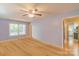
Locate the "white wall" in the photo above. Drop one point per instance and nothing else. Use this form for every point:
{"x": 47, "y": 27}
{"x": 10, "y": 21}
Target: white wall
{"x": 50, "y": 29}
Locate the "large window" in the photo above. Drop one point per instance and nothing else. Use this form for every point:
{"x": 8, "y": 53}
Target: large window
{"x": 17, "y": 29}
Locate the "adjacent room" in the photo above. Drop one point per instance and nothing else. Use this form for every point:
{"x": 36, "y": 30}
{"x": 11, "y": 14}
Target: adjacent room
{"x": 39, "y": 29}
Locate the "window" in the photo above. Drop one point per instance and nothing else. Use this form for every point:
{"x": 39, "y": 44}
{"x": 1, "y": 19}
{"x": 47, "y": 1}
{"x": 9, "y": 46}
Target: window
{"x": 13, "y": 29}
{"x": 17, "y": 29}
{"x": 22, "y": 29}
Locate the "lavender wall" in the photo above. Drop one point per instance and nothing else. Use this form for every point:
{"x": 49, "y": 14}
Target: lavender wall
{"x": 4, "y": 28}
{"x": 50, "y": 29}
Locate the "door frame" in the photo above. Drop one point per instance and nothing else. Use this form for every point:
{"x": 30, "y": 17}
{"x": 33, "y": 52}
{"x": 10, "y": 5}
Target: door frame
{"x": 66, "y": 22}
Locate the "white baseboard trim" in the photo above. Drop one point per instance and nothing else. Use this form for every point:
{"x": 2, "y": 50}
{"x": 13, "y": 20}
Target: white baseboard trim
{"x": 17, "y": 38}
{"x": 49, "y": 44}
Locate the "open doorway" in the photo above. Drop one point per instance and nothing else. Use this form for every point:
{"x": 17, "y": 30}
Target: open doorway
{"x": 71, "y": 35}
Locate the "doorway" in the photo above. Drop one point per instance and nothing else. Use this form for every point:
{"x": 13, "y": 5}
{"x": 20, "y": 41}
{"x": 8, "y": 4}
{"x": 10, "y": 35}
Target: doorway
{"x": 71, "y": 35}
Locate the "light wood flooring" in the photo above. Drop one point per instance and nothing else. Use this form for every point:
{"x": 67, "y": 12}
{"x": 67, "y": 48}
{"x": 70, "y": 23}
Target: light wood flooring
{"x": 28, "y": 47}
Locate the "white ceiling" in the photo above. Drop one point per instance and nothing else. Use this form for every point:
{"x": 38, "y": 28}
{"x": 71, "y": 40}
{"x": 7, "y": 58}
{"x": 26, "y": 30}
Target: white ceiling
{"x": 13, "y": 11}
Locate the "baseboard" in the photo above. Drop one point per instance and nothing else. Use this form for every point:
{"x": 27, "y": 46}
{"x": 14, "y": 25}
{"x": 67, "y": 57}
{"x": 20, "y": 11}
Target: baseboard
{"x": 17, "y": 38}
{"x": 46, "y": 43}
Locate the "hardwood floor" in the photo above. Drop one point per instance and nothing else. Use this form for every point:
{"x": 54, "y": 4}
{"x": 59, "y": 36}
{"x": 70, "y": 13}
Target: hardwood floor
{"x": 28, "y": 47}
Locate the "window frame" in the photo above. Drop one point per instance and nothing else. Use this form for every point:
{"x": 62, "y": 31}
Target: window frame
{"x": 18, "y": 26}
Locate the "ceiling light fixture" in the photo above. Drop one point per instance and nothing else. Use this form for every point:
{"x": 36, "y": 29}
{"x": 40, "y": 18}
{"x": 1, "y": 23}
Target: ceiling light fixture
{"x": 33, "y": 11}
{"x": 31, "y": 15}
